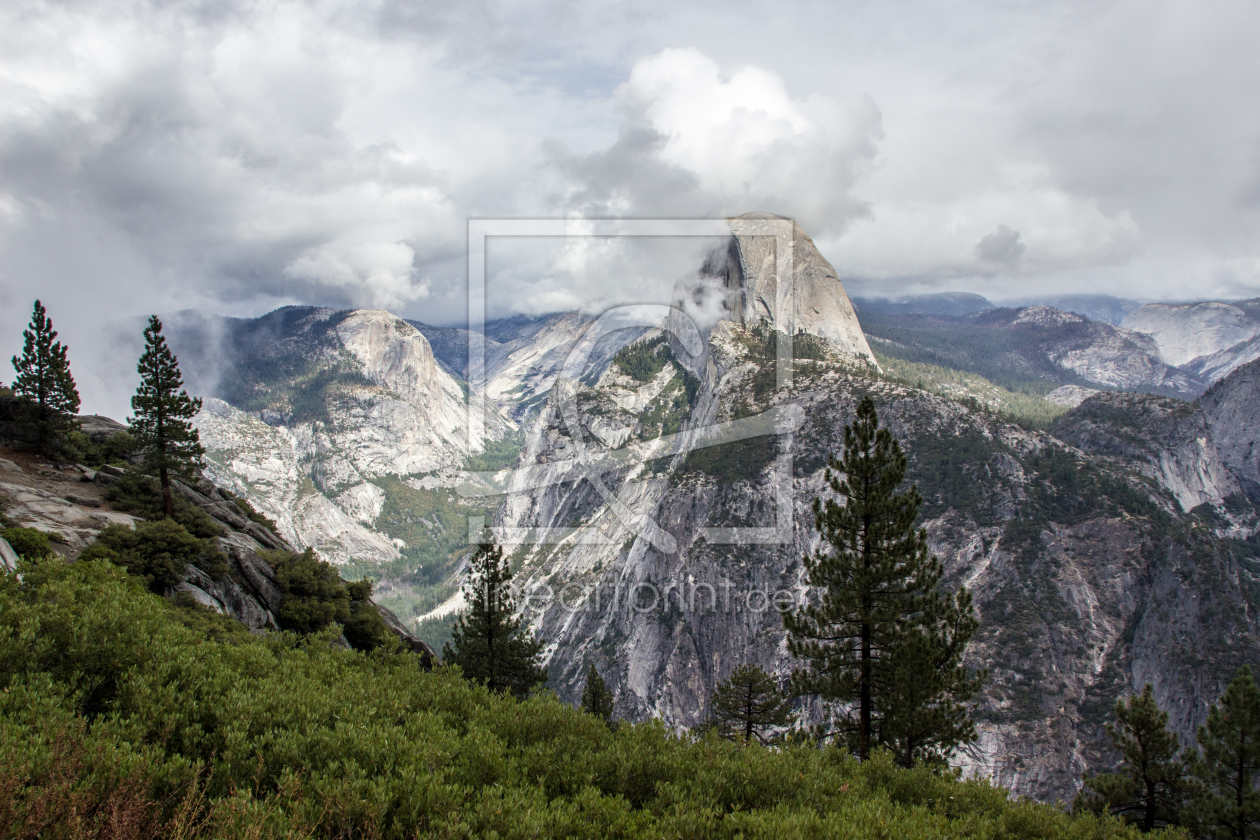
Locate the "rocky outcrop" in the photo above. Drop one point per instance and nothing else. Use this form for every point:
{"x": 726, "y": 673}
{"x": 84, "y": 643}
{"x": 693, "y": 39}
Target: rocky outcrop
{"x": 1070, "y": 395}
{"x": 248, "y": 592}
{"x": 661, "y": 565}
{"x": 1201, "y": 453}
{"x": 809, "y": 299}
{"x": 1185, "y": 332}
{"x": 1112, "y": 357}
{"x": 1035, "y": 344}
{"x": 309, "y": 459}
{"x": 1168, "y": 440}
{"x": 1231, "y": 410}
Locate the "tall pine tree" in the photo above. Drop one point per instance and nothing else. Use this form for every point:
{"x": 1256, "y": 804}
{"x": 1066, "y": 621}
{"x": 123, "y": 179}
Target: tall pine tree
{"x": 1228, "y": 805}
{"x": 876, "y": 643}
{"x": 162, "y": 424}
{"x": 747, "y": 703}
{"x": 1149, "y": 787}
{"x": 43, "y": 378}
{"x": 919, "y": 711}
{"x": 487, "y": 642}
{"x": 597, "y": 700}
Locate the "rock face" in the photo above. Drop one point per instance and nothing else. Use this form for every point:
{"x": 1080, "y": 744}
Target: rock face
{"x": 1231, "y": 409}
{"x": 248, "y": 592}
{"x": 524, "y": 355}
{"x": 1201, "y": 453}
{"x": 1069, "y": 555}
{"x": 658, "y": 512}
{"x": 811, "y": 299}
{"x": 1168, "y": 440}
{"x": 320, "y": 404}
{"x": 1189, "y": 331}
{"x": 1034, "y": 344}
{"x": 1070, "y": 395}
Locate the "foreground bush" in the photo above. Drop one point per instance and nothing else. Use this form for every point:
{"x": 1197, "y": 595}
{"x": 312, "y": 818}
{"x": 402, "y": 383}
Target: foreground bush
{"x": 109, "y": 702}
{"x": 157, "y": 552}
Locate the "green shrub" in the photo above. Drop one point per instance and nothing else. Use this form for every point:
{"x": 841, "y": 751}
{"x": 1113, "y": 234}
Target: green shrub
{"x": 642, "y": 360}
{"x": 141, "y": 495}
{"x": 275, "y": 736}
{"x": 315, "y": 597}
{"x": 115, "y": 449}
{"x": 30, "y": 543}
{"x": 365, "y": 629}
{"x": 314, "y": 594}
{"x": 157, "y": 551}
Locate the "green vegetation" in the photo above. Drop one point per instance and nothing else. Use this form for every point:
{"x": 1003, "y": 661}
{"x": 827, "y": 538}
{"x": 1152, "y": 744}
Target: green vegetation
{"x": 597, "y": 700}
{"x": 434, "y": 526}
{"x": 115, "y": 449}
{"x": 163, "y": 423}
{"x": 667, "y": 412}
{"x": 1068, "y": 490}
{"x": 1225, "y": 802}
{"x": 1025, "y": 405}
{"x": 984, "y": 344}
{"x": 747, "y": 703}
{"x": 497, "y": 455}
{"x": 884, "y": 647}
{"x": 488, "y": 643}
{"x": 30, "y": 543}
{"x": 644, "y": 359}
{"x": 157, "y": 552}
{"x": 146, "y": 720}
{"x": 1149, "y": 787}
{"x": 740, "y": 460}
{"x": 315, "y": 597}
{"x": 142, "y": 495}
{"x": 45, "y": 382}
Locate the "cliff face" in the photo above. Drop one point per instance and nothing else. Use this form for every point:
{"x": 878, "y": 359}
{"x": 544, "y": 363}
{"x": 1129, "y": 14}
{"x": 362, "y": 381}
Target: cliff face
{"x": 1188, "y": 331}
{"x": 318, "y": 405}
{"x": 809, "y": 299}
{"x": 1202, "y": 452}
{"x": 1084, "y": 589}
{"x": 1207, "y": 340}
{"x": 659, "y": 510}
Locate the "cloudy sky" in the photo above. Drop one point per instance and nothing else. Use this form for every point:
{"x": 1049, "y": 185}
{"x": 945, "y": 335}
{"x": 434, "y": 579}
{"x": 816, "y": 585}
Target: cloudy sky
{"x": 233, "y": 157}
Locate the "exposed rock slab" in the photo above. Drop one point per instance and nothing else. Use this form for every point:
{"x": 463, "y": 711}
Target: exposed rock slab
{"x": 1188, "y": 331}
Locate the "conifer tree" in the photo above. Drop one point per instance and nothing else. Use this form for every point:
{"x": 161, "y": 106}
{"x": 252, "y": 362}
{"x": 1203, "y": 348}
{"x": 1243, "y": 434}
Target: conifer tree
{"x": 1148, "y": 788}
{"x": 919, "y": 711}
{"x": 747, "y": 703}
{"x": 1227, "y": 805}
{"x": 43, "y": 377}
{"x": 881, "y": 624}
{"x": 597, "y": 700}
{"x": 487, "y": 642}
{"x": 162, "y": 424}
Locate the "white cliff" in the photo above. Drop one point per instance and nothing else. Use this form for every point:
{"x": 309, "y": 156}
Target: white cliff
{"x": 1189, "y": 331}
{"x": 404, "y": 415}
{"x": 809, "y": 299}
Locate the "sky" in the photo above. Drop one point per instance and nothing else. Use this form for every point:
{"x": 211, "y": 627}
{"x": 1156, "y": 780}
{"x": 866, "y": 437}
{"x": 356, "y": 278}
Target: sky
{"x": 234, "y": 157}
